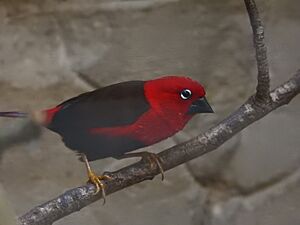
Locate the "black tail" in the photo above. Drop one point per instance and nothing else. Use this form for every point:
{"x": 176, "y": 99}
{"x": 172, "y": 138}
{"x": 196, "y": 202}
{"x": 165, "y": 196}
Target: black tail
{"x": 14, "y": 114}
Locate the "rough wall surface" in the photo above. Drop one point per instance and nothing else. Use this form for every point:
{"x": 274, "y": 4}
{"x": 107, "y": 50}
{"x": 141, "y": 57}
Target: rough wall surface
{"x": 53, "y": 50}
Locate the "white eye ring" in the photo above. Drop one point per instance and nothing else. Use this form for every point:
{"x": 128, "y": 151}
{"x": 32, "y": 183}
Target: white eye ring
{"x": 185, "y": 94}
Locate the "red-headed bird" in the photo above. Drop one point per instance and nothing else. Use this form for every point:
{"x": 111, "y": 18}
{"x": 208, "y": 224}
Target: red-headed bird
{"x": 116, "y": 119}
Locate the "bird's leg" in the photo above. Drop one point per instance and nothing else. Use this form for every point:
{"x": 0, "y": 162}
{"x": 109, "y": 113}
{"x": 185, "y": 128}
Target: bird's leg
{"x": 94, "y": 179}
{"x": 153, "y": 158}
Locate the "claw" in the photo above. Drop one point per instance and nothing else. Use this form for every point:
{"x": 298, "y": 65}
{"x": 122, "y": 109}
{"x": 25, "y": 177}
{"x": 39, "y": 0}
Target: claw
{"x": 155, "y": 159}
{"x": 150, "y": 157}
{"x": 96, "y": 180}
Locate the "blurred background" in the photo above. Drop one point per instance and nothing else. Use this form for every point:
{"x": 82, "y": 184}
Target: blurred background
{"x": 52, "y": 50}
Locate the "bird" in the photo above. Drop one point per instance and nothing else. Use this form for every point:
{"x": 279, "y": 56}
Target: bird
{"x": 114, "y": 120}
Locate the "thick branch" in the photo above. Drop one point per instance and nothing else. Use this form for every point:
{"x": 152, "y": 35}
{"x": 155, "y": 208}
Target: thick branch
{"x": 77, "y": 198}
{"x": 263, "y": 85}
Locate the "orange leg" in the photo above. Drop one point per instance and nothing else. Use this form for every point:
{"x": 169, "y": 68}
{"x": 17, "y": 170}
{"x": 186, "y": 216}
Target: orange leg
{"x": 94, "y": 179}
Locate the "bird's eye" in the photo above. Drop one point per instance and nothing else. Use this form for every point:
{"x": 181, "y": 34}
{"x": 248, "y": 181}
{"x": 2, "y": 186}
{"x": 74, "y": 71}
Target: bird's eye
{"x": 186, "y": 94}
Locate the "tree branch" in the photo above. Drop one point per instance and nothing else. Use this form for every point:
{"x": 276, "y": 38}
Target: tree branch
{"x": 256, "y": 107}
{"x": 263, "y": 78}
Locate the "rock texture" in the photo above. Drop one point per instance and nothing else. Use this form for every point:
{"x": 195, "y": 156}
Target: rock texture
{"x": 52, "y": 50}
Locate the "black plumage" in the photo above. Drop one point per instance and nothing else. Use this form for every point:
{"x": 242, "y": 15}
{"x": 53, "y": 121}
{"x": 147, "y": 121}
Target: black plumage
{"x": 112, "y": 106}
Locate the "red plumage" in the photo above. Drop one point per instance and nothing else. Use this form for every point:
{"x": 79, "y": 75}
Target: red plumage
{"x": 122, "y": 117}
{"x": 111, "y": 121}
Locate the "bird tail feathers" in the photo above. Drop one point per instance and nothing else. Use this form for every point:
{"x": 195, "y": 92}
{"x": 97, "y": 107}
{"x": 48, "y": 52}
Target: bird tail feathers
{"x": 14, "y": 114}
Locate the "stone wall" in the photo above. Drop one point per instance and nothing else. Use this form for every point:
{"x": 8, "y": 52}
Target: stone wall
{"x": 53, "y": 50}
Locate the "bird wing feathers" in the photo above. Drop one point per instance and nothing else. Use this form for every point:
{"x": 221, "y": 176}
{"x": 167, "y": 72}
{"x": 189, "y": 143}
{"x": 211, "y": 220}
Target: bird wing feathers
{"x": 112, "y": 106}
{"x": 116, "y": 105}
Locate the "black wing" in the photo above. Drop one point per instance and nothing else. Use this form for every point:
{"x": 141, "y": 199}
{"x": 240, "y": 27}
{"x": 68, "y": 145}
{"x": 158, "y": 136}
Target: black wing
{"x": 112, "y": 106}
{"x": 115, "y": 105}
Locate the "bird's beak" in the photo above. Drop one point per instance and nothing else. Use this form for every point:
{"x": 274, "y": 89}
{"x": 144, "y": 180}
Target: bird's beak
{"x": 200, "y": 106}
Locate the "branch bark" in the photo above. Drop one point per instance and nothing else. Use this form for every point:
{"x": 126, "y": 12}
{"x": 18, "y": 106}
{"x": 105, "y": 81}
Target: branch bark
{"x": 263, "y": 85}
{"x": 256, "y": 107}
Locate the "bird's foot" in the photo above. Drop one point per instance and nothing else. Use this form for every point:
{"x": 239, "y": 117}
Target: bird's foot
{"x": 94, "y": 179}
{"x": 154, "y": 160}
{"x": 97, "y": 181}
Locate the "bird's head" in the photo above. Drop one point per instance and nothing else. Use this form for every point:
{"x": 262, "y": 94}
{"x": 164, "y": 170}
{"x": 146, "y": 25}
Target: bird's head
{"x": 177, "y": 98}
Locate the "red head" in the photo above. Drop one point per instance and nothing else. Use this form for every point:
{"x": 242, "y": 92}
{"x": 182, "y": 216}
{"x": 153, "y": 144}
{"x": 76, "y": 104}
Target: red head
{"x": 176, "y": 98}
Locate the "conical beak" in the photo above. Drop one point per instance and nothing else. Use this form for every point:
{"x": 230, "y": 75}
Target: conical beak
{"x": 200, "y": 106}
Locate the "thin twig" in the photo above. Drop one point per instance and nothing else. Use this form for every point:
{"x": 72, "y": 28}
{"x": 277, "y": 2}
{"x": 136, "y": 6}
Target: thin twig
{"x": 263, "y": 86}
